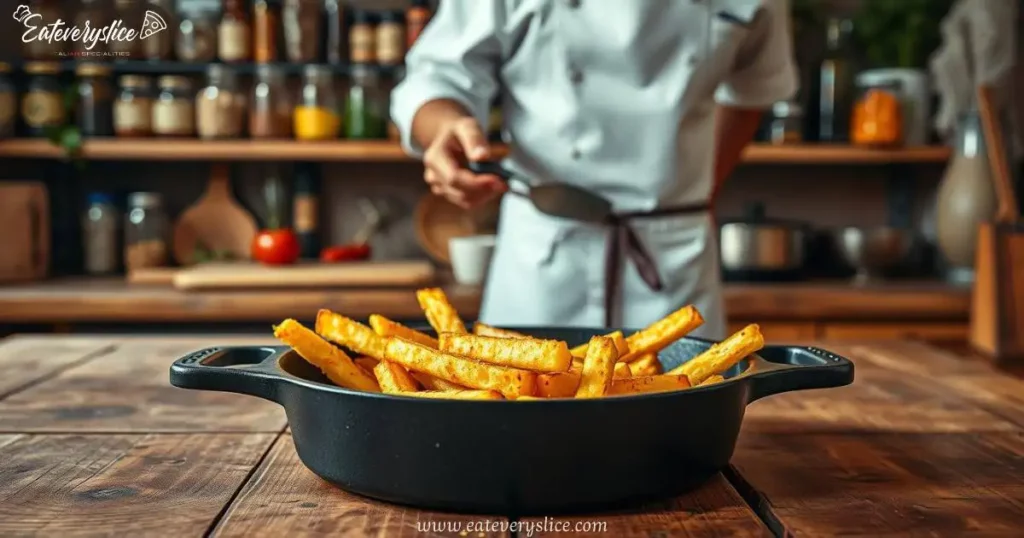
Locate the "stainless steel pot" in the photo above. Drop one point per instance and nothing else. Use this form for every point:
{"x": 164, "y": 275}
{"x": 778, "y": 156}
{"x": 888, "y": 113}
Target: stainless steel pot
{"x": 762, "y": 245}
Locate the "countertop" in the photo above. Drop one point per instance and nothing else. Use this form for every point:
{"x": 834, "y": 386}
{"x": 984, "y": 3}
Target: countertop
{"x": 93, "y": 440}
{"x": 112, "y": 300}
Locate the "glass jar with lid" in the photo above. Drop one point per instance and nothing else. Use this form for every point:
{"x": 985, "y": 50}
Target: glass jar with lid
{"x": 270, "y": 113}
{"x": 366, "y": 109}
{"x": 95, "y": 108}
{"x": 42, "y": 105}
{"x": 233, "y": 34}
{"x": 265, "y": 33}
{"x": 8, "y": 102}
{"x": 100, "y": 225}
{"x": 197, "y": 36}
{"x": 174, "y": 109}
{"x": 146, "y": 232}
{"x": 220, "y": 106}
{"x": 786, "y": 126}
{"x": 316, "y": 116}
{"x": 133, "y": 109}
{"x": 362, "y": 38}
{"x": 159, "y": 45}
{"x": 390, "y": 36}
{"x": 49, "y": 12}
{"x": 130, "y": 15}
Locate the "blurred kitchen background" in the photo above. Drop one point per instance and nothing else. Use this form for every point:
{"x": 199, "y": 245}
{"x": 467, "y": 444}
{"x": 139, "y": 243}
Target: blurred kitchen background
{"x": 853, "y": 217}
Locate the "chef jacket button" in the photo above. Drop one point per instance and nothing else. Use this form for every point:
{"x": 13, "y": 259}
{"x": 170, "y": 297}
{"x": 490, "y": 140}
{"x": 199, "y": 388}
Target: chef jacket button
{"x": 575, "y": 154}
{"x": 574, "y": 3}
{"x": 576, "y": 76}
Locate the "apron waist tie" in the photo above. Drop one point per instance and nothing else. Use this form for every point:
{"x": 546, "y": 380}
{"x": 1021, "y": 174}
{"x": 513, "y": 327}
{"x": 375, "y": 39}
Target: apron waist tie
{"x": 623, "y": 242}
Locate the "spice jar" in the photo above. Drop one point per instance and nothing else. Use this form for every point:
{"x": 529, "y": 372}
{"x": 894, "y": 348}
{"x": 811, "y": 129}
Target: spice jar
{"x": 270, "y": 115}
{"x": 316, "y": 116}
{"x": 302, "y": 21}
{"x": 133, "y": 109}
{"x": 786, "y": 126}
{"x": 145, "y": 232}
{"x": 220, "y": 106}
{"x": 8, "y": 102}
{"x": 390, "y": 39}
{"x": 366, "y": 106}
{"x": 362, "y": 38}
{"x": 197, "y": 36}
{"x": 43, "y": 102}
{"x": 334, "y": 42}
{"x": 128, "y": 12}
{"x": 416, "y": 19}
{"x": 49, "y": 12}
{"x": 158, "y": 44}
{"x": 174, "y": 110}
{"x": 233, "y": 42}
{"x": 95, "y": 109}
{"x": 100, "y": 225}
{"x": 265, "y": 36}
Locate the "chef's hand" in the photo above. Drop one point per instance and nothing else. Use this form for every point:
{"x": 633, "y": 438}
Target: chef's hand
{"x": 457, "y": 142}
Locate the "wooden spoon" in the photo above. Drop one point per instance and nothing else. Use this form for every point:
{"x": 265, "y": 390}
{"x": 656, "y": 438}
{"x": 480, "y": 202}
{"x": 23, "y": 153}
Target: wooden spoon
{"x": 216, "y": 222}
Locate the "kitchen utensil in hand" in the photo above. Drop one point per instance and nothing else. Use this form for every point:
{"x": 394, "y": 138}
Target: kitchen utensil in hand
{"x": 553, "y": 198}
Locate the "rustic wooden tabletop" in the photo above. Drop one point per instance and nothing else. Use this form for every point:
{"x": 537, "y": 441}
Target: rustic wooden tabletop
{"x": 94, "y": 441}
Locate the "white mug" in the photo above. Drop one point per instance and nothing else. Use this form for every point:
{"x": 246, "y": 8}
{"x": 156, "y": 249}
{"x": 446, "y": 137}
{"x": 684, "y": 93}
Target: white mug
{"x": 471, "y": 257}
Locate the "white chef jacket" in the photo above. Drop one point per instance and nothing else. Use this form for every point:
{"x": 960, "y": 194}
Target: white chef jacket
{"x": 617, "y": 96}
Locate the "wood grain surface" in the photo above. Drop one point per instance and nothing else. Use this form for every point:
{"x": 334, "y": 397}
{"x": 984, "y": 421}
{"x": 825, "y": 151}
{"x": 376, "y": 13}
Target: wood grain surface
{"x": 93, "y": 441}
{"x": 127, "y": 390}
{"x": 886, "y": 484}
{"x": 121, "y": 485}
{"x": 283, "y": 498}
{"x": 714, "y": 509}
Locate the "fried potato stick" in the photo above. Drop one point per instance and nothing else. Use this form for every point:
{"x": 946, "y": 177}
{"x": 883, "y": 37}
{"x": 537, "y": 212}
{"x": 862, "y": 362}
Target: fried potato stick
{"x": 525, "y": 353}
{"x": 598, "y": 368}
{"x": 333, "y": 362}
{"x": 723, "y": 355}
{"x": 511, "y": 382}
{"x": 384, "y": 327}
{"x": 439, "y": 311}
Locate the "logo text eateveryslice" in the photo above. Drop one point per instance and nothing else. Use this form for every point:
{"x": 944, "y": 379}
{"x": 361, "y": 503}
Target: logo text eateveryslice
{"x": 152, "y": 23}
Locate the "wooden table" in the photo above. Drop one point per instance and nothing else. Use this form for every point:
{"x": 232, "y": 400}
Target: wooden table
{"x": 93, "y": 440}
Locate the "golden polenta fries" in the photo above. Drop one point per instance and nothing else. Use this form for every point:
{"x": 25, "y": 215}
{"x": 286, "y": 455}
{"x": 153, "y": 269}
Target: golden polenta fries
{"x": 653, "y": 383}
{"x": 458, "y": 394}
{"x": 333, "y": 362}
{"x": 511, "y": 382}
{"x": 723, "y": 355}
{"x": 598, "y": 368}
{"x": 437, "y": 384}
{"x": 394, "y": 378}
{"x": 366, "y": 363}
{"x": 558, "y": 385}
{"x": 440, "y": 313}
{"x": 621, "y": 345}
{"x": 526, "y": 353}
{"x": 663, "y": 332}
{"x": 385, "y": 327}
{"x": 645, "y": 365}
{"x": 621, "y": 369}
{"x": 349, "y": 333}
{"x": 712, "y": 380}
{"x": 486, "y": 330}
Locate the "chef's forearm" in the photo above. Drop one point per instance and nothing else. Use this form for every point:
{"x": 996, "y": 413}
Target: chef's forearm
{"x": 432, "y": 116}
{"x": 734, "y": 129}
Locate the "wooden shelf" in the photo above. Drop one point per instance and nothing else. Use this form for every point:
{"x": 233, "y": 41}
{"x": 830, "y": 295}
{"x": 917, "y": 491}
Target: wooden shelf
{"x": 387, "y": 151}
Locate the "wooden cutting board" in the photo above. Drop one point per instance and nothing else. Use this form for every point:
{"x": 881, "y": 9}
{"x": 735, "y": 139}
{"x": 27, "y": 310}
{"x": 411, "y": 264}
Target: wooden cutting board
{"x": 216, "y": 222}
{"x": 244, "y": 275}
{"x": 24, "y": 231}
{"x": 153, "y": 276}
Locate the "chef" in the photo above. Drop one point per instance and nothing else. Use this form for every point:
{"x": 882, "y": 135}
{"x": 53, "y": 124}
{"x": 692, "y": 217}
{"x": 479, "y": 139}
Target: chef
{"x": 648, "y": 103}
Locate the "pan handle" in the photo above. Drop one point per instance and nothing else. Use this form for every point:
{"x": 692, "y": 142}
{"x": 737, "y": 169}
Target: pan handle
{"x": 490, "y": 167}
{"x": 815, "y": 368}
{"x": 243, "y": 370}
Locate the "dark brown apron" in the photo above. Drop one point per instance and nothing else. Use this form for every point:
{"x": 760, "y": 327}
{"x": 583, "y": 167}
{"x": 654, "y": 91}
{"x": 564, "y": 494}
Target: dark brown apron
{"x": 623, "y": 242}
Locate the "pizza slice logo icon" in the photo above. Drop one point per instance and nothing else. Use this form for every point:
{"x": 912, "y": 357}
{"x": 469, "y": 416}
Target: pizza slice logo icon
{"x": 152, "y": 23}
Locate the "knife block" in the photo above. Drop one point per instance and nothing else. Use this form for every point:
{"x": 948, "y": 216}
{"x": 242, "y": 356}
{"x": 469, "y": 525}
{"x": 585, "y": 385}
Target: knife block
{"x": 997, "y": 303}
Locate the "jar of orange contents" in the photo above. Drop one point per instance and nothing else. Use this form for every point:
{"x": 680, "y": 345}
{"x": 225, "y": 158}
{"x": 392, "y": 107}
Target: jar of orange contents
{"x": 317, "y": 115}
{"x": 878, "y": 117}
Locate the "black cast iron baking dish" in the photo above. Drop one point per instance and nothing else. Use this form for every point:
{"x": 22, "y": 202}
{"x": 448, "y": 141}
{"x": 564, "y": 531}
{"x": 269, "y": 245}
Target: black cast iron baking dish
{"x": 509, "y": 457}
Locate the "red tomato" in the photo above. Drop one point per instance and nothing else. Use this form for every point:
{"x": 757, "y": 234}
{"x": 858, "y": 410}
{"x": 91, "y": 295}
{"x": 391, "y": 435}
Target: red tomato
{"x": 345, "y": 253}
{"x": 275, "y": 247}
